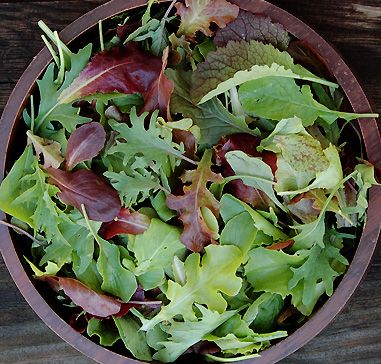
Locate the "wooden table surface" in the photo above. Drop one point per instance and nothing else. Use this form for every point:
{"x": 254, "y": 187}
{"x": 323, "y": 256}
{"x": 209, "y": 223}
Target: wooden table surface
{"x": 353, "y": 27}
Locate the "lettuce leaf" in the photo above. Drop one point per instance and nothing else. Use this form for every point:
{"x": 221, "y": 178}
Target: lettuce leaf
{"x": 215, "y": 273}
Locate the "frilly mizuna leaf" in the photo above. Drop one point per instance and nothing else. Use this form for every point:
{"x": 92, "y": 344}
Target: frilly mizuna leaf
{"x": 84, "y": 143}
{"x": 126, "y": 70}
{"x": 196, "y": 233}
{"x": 125, "y": 223}
{"x": 157, "y": 96}
{"x": 92, "y": 302}
{"x": 240, "y": 62}
{"x": 205, "y": 281}
{"x": 50, "y": 150}
{"x": 101, "y": 201}
{"x": 197, "y": 15}
{"x": 248, "y": 26}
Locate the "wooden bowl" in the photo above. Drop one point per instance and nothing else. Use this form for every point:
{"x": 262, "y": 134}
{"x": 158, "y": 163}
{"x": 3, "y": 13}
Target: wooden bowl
{"x": 12, "y": 130}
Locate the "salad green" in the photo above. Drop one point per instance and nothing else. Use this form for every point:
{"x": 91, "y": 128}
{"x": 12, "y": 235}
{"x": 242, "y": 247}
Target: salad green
{"x": 185, "y": 187}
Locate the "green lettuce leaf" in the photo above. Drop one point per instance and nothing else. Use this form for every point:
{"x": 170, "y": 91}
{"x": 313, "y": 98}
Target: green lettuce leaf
{"x": 280, "y": 98}
{"x": 185, "y": 334}
{"x": 231, "y": 206}
{"x": 155, "y": 250}
{"x": 205, "y": 280}
{"x": 133, "y": 338}
{"x": 271, "y": 270}
{"x": 106, "y": 336}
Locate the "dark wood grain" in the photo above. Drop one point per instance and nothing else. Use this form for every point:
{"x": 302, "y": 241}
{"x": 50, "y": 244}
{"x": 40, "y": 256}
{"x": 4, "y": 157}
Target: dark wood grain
{"x": 354, "y": 28}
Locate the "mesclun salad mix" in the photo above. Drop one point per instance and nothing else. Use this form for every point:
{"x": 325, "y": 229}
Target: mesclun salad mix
{"x": 186, "y": 182}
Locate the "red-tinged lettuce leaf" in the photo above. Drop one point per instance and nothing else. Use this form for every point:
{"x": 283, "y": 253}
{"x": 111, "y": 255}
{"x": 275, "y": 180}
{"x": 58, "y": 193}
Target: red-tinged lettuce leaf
{"x": 197, "y": 15}
{"x": 242, "y": 61}
{"x": 126, "y": 222}
{"x": 188, "y": 139}
{"x": 308, "y": 57}
{"x": 281, "y": 245}
{"x": 78, "y": 322}
{"x": 159, "y": 93}
{"x": 249, "y": 26}
{"x": 92, "y": 302}
{"x": 126, "y": 70}
{"x": 101, "y": 201}
{"x": 84, "y": 143}
{"x": 248, "y": 144}
{"x": 196, "y": 234}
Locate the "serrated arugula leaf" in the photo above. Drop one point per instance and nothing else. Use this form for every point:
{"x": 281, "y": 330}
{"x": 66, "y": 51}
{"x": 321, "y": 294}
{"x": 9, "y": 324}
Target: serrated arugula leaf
{"x": 134, "y": 188}
{"x": 150, "y": 144}
{"x": 155, "y": 249}
{"x": 281, "y": 98}
{"x": 51, "y": 108}
{"x": 240, "y": 62}
{"x": 46, "y": 216}
{"x": 213, "y": 119}
{"x": 185, "y": 334}
{"x": 205, "y": 280}
{"x": 317, "y": 268}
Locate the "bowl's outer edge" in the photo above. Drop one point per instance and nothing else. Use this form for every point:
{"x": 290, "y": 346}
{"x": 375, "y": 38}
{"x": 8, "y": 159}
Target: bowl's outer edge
{"x": 369, "y": 238}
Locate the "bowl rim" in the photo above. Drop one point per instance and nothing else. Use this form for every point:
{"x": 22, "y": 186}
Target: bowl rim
{"x": 370, "y": 132}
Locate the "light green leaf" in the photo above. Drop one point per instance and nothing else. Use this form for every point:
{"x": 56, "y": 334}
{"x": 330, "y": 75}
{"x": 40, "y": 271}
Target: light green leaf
{"x": 326, "y": 179}
{"x": 254, "y": 173}
{"x": 160, "y": 206}
{"x": 231, "y": 206}
{"x": 212, "y": 117}
{"x": 241, "y": 232}
{"x": 154, "y": 251}
{"x": 270, "y": 270}
{"x": 205, "y": 280}
{"x": 185, "y": 334}
{"x": 280, "y": 98}
{"x": 117, "y": 280}
{"x": 51, "y": 268}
